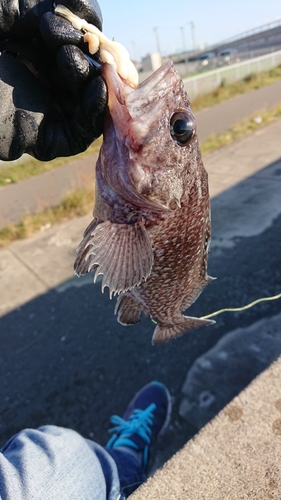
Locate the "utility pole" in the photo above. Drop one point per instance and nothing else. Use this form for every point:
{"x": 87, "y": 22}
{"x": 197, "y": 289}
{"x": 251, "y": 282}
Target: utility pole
{"x": 184, "y": 47}
{"x": 135, "y": 55}
{"x": 157, "y": 40}
{"x": 192, "y": 25}
{"x": 183, "y": 39}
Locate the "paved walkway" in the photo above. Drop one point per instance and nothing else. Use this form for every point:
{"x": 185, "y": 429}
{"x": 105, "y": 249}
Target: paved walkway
{"x": 235, "y": 457}
{"x": 40, "y": 192}
{"x": 218, "y": 119}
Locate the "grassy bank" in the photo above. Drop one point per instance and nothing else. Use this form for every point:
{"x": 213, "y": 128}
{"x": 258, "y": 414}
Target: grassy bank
{"x": 81, "y": 202}
{"x": 30, "y": 167}
{"x": 241, "y": 129}
{"x": 76, "y": 204}
{"x": 227, "y": 91}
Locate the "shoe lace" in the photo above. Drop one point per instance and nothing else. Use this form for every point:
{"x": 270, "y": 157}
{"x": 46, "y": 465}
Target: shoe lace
{"x": 140, "y": 423}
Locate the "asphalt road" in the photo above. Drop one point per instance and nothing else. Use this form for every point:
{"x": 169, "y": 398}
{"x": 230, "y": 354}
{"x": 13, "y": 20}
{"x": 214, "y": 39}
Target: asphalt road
{"x": 65, "y": 360}
{"x": 218, "y": 119}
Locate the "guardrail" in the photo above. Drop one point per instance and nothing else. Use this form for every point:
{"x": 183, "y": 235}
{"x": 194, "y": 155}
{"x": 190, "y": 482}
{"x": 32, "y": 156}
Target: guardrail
{"x": 253, "y": 31}
{"x": 206, "y": 82}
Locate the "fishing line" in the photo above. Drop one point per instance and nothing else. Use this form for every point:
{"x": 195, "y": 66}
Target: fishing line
{"x": 243, "y": 308}
{"x": 236, "y": 309}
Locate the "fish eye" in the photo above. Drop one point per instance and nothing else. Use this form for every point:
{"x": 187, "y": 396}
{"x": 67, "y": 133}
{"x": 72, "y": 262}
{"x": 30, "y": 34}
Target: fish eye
{"x": 182, "y": 126}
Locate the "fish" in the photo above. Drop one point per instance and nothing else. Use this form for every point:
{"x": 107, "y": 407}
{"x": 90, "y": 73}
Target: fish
{"x": 151, "y": 228}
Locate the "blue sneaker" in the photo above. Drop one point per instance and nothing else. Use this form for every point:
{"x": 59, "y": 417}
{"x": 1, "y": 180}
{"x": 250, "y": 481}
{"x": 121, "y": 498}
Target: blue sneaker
{"x": 146, "y": 418}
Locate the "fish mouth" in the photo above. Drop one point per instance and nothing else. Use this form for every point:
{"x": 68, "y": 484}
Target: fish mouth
{"x": 135, "y": 112}
{"x": 156, "y": 86}
{"x": 120, "y": 89}
{"x": 132, "y": 120}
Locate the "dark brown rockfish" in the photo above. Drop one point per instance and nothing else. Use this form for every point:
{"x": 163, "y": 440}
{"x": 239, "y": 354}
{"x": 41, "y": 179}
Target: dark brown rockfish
{"x": 151, "y": 229}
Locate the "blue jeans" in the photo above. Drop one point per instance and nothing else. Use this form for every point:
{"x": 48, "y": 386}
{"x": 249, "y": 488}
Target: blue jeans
{"x": 53, "y": 463}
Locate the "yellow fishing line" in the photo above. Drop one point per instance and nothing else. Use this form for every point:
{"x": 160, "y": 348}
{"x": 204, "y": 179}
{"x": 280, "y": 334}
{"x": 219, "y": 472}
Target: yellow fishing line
{"x": 235, "y": 309}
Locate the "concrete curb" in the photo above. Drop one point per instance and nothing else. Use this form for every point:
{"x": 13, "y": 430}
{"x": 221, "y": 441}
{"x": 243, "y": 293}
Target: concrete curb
{"x": 236, "y": 456}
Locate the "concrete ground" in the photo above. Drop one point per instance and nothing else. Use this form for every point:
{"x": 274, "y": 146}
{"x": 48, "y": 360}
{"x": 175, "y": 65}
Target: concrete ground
{"x": 235, "y": 457}
{"x": 65, "y": 360}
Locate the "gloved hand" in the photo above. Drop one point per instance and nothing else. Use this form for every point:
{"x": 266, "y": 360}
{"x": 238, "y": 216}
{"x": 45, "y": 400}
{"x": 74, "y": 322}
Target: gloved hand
{"x": 52, "y": 97}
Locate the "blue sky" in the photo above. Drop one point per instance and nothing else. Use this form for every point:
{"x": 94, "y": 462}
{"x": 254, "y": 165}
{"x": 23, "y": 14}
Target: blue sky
{"x": 132, "y": 22}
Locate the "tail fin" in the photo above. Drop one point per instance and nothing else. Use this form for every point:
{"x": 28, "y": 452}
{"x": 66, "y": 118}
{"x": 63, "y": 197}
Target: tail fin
{"x": 164, "y": 333}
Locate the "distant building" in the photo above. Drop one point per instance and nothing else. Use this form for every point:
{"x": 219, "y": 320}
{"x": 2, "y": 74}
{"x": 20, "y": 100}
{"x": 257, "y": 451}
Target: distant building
{"x": 151, "y": 62}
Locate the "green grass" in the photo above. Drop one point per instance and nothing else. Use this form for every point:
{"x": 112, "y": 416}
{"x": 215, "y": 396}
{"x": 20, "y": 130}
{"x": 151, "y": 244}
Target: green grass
{"x": 24, "y": 170}
{"x": 239, "y": 130}
{"x": 227, "y": 91}
{"x": 76, "y": 204}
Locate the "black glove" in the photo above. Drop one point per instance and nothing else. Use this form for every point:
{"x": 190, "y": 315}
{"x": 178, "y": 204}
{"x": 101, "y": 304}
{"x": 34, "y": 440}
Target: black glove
{"x": 52, "y": 95}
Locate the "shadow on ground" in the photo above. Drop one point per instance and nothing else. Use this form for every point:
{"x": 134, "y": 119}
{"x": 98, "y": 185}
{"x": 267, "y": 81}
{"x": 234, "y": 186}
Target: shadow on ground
{"x": 65, "y": 360}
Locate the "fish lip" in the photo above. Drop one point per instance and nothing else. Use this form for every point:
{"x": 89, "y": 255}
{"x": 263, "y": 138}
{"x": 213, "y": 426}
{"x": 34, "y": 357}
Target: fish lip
{"x": 125, "y": 103}
{"x": 117, "y": 91}
{"x": 122, "y": 92}
{"x": 115, "y": 85}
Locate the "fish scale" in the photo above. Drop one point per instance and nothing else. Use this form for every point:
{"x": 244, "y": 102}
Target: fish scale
{"x": 151, "y": 230}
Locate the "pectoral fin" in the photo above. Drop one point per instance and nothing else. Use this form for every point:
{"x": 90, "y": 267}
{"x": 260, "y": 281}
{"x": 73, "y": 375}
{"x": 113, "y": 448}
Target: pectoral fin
{"x": 121, "y": 252}
{"x": 164, "y": 333}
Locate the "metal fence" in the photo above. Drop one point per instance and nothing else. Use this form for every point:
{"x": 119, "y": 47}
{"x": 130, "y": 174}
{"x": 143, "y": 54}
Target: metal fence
{"x": 206, "y": 82}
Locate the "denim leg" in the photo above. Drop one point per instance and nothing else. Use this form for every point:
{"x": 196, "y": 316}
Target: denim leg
{"x": 131, "y": 474}
{"x": 53, "y": 463}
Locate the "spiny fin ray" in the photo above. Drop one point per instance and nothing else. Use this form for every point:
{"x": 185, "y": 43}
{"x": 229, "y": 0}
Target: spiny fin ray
{"x": 121, "y": 252}
{"x": 82, "y": 262}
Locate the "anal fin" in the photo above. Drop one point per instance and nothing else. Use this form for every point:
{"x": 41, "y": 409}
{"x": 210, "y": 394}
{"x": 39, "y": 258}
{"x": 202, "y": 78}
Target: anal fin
{"x": 127, "y": 310}
{"x": 164, "y": 333}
